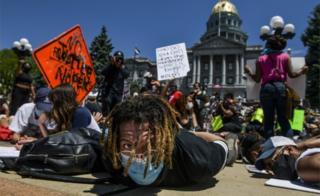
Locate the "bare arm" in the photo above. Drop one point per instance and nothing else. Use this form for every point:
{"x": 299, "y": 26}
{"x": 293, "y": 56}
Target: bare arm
{"x": 255, "y": 76}
{"x": 41, "y": 123}
{"x": 226, "y": 113}
{"x": 309, "y": 168}
{"x": 209, "y": 137}
{"x": 165, "y": 89}
{"x": 194, "y": 120}
{"x": 293, "y": 74}
{"x": 313, "y": 142}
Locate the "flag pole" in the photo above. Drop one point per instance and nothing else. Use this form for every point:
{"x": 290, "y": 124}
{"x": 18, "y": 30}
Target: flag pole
{"x": 219, "y": 24}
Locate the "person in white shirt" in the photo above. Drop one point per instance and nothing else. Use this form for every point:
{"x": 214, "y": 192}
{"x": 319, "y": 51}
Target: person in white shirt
{"x": 26, "y": 119}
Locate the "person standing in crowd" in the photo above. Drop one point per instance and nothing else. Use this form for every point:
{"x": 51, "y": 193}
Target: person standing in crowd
{"x": 152, "y": 85}
{"x": 272, "y": 68}
{"x": 145, "y": 146}
{"x": 22, "y": 90}
{"x": 114, "y": 76}
{"x": 66, "y": 112}
{"x": 26, "y": 121}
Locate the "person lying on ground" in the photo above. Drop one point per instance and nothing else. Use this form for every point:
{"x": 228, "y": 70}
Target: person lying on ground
{"x": 146, "y": 147}
{"x": 284, "y": 159}
{"x": 26, "y": 120}
{"x": 67, "y": 113}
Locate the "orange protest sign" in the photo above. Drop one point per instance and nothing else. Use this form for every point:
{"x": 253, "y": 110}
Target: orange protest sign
{"x": 66, "y": 59}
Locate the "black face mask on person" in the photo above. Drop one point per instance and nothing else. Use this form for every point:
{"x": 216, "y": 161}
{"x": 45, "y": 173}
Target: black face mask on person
{"x": 284, "y": 168}
{"x": 26, "y": 68}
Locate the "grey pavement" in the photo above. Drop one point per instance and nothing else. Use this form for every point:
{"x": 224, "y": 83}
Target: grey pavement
{"x": 231, "y": 181}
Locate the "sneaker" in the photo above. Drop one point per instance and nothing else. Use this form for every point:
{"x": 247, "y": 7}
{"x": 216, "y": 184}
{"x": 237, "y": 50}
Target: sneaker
{"x": 231, "y": 140}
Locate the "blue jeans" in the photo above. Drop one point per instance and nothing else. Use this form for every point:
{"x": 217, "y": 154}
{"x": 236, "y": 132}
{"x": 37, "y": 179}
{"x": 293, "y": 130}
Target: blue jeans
{"x": 273, "y": 98}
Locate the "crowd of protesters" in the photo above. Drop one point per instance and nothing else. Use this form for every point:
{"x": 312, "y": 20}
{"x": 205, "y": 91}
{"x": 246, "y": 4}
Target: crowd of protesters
{"x": 162, "y": 135}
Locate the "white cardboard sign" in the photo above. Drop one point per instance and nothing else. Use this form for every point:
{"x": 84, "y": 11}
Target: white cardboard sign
{"x": 298, "y": 84}
{"x": 172, "y": 62}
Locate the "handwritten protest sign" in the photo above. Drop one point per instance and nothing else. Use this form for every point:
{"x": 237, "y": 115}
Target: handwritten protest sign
{"x": 298, "y": 84}
{"x": 172, "y": 61}
{"x": 66, "y": 59}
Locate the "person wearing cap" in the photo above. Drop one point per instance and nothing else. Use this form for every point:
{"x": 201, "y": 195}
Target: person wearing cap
{"x": 114, "y": 76}
{"x": 284, "y": 159}
{"x": 26, "y": 119}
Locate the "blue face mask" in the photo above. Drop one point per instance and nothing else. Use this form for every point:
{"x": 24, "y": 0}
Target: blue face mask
{"x": 136, "y": 170}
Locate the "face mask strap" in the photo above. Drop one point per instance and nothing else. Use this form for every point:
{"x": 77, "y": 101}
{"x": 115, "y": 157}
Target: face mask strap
{"x": 148, "y": 154}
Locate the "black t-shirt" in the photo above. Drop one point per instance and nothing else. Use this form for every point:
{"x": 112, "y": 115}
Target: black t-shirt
{"x": 23, "y": 78}
{"x": 114, "y": 78}
{"x": 194, "y": 161}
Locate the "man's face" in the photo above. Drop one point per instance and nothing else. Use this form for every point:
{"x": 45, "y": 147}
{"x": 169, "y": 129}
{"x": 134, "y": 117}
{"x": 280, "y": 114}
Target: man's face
{"x": 134, "y": 136}
{"x": 118, "y": 61}
{"x": 254, "y": 153}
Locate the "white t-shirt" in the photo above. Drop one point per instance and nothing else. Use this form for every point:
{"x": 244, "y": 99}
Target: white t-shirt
{"x": 94, "y": 125}
{"x": 25, "y": 117}
{"x": 307, "y": 153}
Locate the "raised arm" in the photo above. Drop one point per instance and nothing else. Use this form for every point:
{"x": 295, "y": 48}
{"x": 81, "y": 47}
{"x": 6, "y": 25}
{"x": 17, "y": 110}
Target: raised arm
{"x": 293, "y": 74}
{"x": 255, "y": 76}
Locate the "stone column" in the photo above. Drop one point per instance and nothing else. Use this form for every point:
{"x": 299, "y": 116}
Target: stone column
{"x": 211, "y": 70}
{"x": 237, "y": 70}
{"x": 199, "y": 68}
{"x": 242, "y": 69}
{"x": 194, "y": 69}
{"x": 223, "y": 70}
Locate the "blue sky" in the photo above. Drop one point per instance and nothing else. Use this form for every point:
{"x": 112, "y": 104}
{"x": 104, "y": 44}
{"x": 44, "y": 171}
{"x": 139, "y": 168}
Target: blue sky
{"x": 146, "y": 24}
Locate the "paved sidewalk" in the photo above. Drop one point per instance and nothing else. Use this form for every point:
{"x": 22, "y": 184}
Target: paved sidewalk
{"x": 231, "y": 181}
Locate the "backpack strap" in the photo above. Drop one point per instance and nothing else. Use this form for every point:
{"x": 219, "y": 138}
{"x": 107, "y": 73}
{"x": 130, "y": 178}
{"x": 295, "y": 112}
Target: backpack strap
{"x": 73, "y": 179}
{"x": 64, "y": 178}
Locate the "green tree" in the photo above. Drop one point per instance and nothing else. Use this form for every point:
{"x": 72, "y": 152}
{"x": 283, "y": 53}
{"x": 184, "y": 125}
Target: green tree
{"x": 8, "y": 66}
{"x": 100, "y": 49}
{"x": 311, "y": 39}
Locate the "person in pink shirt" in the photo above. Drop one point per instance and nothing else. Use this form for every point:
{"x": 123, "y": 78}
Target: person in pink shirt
{"x": 272, "y": 69}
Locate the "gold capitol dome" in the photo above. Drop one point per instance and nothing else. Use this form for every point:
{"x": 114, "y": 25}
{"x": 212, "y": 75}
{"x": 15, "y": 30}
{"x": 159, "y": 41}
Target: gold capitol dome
{"x": 224, "y": 6}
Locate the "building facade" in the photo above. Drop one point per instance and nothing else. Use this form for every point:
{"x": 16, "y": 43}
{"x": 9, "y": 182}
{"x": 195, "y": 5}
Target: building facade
{"x": 217, "y": 61}
{"x": 138, "y": 67}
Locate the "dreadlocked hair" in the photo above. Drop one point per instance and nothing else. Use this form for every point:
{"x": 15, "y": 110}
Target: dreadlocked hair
{"x": 162, "y": 124}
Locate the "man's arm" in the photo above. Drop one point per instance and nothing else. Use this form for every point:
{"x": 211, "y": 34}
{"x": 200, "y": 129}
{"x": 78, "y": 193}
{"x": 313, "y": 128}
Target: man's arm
{"x": 226, "y": 113}
{"x": 209, "y": 137}
{"x": 255, "y": 76}
{"x": 313, "y": 142}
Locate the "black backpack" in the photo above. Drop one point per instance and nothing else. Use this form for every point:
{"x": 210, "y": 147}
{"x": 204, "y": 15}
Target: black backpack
{"x": 60, "y": 155}
{"x": 68, "y": 153}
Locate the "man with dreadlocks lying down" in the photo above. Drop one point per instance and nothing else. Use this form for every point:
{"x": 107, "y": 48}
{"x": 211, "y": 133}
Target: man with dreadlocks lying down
{"x": 146, "y": 146}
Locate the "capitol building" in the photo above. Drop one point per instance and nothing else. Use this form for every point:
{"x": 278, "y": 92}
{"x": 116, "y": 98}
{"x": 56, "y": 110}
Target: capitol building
{"x": 217, "y": 61}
